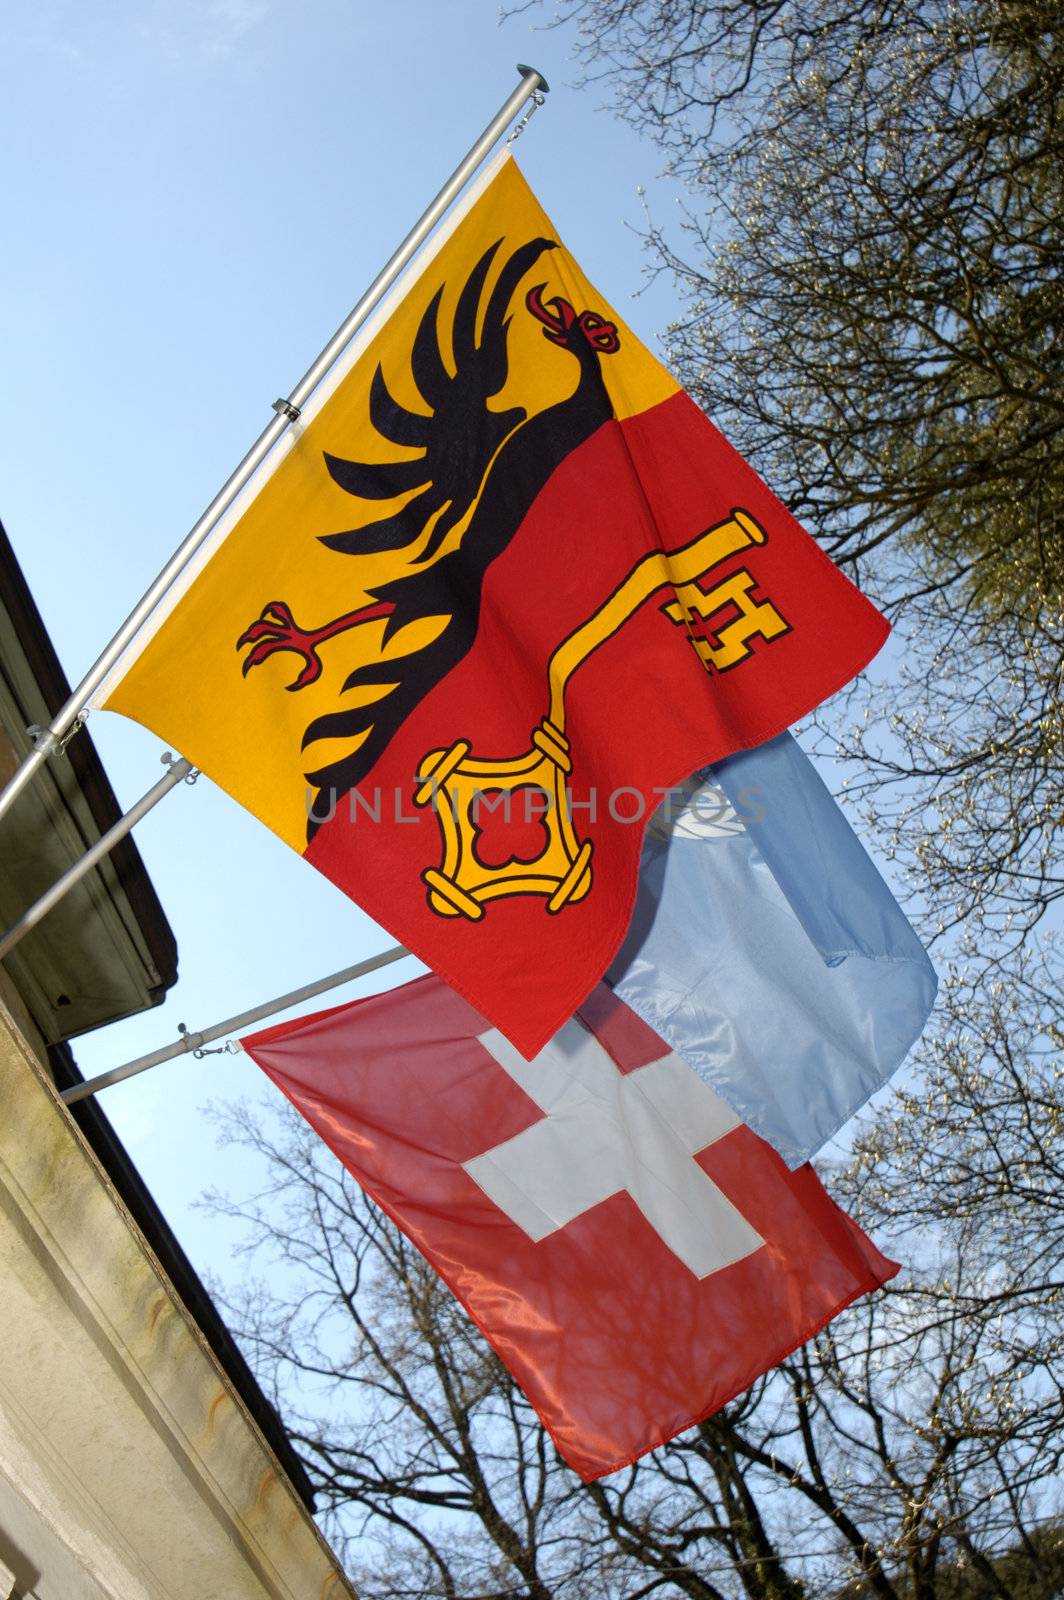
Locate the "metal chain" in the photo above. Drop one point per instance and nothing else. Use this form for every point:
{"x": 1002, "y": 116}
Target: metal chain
{"x": 537, "y": 100}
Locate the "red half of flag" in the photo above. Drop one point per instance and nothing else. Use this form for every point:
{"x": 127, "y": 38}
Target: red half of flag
{"x": 498, "y": 835}
{"x": 633, "y": 1253}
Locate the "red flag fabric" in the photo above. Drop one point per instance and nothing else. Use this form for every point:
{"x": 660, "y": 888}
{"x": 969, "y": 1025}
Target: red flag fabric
{"x": 631, "y": 1250}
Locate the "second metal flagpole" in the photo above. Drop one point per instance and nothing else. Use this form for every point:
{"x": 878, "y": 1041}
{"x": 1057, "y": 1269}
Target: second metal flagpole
{"x": 287, "y": 411}
{"x": 180, "y": 770}
{"x": 191, "y": 1042}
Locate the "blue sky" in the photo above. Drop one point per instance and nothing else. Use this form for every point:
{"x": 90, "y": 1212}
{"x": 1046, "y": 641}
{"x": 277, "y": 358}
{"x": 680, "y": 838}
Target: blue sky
{"x": 195, "y": 193}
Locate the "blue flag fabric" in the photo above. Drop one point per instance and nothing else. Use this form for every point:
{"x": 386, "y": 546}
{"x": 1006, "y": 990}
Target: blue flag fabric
{"x": 766, "y": 949}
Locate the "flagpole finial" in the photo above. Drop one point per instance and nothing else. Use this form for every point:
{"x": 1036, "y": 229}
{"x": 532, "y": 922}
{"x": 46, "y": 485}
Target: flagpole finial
{"x": 534, "y": 72}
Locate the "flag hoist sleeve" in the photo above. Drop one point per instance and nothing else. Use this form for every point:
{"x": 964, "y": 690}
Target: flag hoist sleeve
{"x": 501, "y": 585}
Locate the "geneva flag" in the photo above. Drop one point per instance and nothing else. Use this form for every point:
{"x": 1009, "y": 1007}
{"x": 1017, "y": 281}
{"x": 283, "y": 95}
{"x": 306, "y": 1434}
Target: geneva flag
{"x": 633, "y": 1253}
{"x": 500, "y": 587}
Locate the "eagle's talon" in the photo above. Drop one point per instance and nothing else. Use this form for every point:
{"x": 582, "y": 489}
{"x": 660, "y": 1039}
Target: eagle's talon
{"x": 276, "y": 629}
{"x": 274, "y": 620}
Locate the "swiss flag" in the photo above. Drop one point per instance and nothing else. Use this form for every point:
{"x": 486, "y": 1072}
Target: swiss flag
{"x": 632, "y": 1251}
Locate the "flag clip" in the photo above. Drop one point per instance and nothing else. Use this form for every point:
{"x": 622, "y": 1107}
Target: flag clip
{"x": 286, "y": 409}
{"x": 537, "y": 100}
{"x": 50, "y": 743}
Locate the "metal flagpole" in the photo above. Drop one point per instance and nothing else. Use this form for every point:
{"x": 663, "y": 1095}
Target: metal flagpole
{"x": 180, "y": 769}
{"x": 531, "y": 86}
{"x": 195, "y": 1042}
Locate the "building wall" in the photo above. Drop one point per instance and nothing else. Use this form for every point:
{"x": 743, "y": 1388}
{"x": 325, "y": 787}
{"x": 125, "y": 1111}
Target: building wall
{"x": 129, "y": 1467}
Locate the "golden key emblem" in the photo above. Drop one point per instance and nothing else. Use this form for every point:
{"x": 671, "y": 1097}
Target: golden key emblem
{"x": 720, "y": 621}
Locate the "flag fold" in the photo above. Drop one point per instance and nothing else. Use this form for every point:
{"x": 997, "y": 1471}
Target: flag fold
{"x": 768, "y": 951}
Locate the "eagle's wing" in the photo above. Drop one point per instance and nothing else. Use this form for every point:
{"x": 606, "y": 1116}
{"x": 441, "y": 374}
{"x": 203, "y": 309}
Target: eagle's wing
{"x": 459, "y": 436}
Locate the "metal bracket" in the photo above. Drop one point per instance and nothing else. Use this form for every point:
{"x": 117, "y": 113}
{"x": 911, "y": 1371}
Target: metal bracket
{"x": 49, "y": 743}
{"x": 168, "y": 759}
{"x": 229, "y": 1048}
{"x": 286, "y": 409}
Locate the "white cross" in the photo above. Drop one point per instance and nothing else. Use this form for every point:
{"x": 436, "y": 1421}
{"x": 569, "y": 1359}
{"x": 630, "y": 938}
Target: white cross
{"x": 606, "y": 1131}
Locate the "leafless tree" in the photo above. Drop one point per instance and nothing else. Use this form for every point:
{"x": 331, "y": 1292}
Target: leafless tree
{"x": 913, "y": 1451}
{"x": 870, "y": 294}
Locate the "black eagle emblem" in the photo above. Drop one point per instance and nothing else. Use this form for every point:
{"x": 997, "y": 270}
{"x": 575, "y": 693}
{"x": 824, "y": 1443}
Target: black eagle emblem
{"x": 471, "y": 459}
